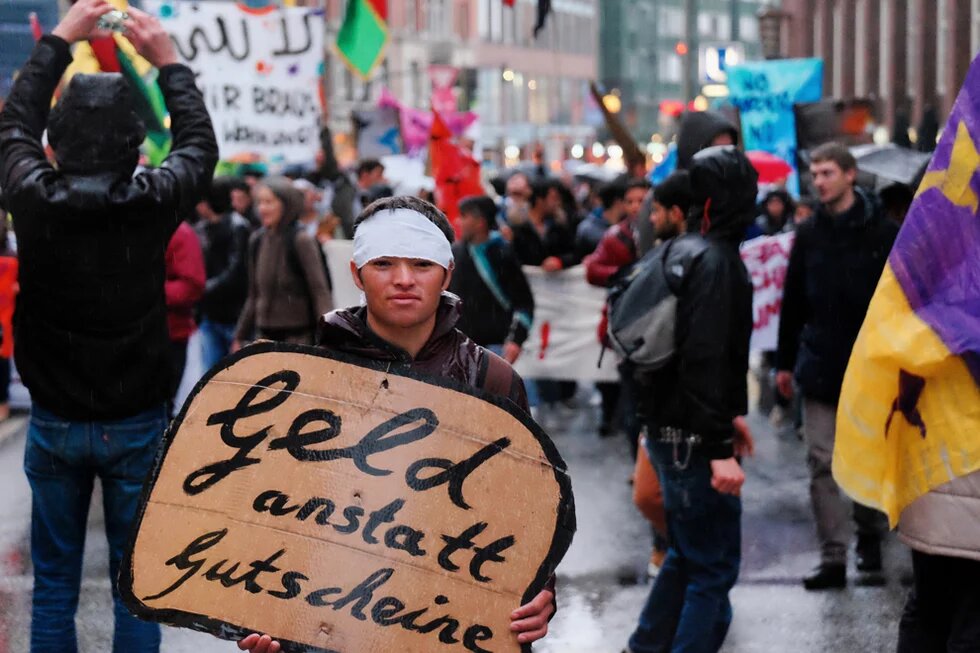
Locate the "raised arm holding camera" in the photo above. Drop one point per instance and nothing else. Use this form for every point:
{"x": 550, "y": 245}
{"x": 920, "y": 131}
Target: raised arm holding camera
{"x": 91, "y": 320}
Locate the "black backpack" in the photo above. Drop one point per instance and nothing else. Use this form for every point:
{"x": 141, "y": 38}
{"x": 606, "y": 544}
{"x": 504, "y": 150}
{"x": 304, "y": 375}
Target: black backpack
{"x": 642, "y": 305}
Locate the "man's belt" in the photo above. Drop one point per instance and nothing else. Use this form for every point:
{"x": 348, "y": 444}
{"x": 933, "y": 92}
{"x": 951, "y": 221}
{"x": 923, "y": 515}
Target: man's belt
{"x": 673, "y": 435}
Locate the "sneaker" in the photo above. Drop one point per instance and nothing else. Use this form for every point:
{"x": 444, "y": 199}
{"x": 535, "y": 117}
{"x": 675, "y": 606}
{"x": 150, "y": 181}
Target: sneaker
{"x": 656, "y": 562}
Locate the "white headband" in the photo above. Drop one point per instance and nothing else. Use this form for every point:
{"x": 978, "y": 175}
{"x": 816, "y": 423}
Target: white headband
{"x": 400, "y": 233}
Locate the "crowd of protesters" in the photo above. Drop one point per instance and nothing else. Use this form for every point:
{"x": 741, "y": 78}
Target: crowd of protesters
{"x": 127, "y": 264}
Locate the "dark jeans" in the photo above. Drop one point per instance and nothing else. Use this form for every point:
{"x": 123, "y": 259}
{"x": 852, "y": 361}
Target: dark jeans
{"x": 62, "y": 460}
{"x": 609, "y": 391}
{"x": 942, "y": 614}
{"x": 688, "y": 609}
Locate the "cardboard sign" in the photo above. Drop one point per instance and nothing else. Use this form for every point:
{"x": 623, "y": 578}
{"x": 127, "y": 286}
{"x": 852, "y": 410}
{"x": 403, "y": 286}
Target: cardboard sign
{"x": 333, "y": 504}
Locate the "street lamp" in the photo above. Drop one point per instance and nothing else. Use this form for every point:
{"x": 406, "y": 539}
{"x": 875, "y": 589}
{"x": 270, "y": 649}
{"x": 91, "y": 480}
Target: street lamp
{"x": 771, "y": 31}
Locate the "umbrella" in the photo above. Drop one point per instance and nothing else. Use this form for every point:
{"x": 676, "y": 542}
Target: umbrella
{"x": 892, "y": 163}
{"x": 770, "y": 167}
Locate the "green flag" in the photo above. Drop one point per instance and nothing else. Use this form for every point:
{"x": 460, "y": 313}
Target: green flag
{"x": 364, "y": 34}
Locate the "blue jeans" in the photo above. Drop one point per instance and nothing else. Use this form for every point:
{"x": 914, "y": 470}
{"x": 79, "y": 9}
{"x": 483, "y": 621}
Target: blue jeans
{"x": 688, "y": 610}
{"x": 62, "y": 460}
{"x": 215, "y": 341}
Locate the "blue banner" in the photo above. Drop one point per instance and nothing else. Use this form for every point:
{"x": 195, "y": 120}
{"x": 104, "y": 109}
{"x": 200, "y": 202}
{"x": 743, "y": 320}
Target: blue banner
{"x": 765, "y": 92}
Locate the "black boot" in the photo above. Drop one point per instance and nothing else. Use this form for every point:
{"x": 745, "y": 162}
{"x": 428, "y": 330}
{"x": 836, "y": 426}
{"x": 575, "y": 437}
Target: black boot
{"x": 827, "y": 576}
{"x": 868, "y": 552}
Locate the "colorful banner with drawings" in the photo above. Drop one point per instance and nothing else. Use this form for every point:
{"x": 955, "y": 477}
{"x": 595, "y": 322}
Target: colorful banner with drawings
{"x": 909, "y": 413}
{"x": 259, "y": 71}
{"x": 765, "y": 92}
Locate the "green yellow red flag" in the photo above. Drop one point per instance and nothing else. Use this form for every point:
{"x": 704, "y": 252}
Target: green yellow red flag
{"x": 363, "y": 35}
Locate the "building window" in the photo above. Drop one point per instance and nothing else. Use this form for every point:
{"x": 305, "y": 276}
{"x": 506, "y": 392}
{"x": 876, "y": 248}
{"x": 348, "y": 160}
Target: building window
{"x": 496, "y": 21}
{"x": 483, "y": 19}
{"x": 671, "y": 68}
{"x": 418, "y": 18}
{"x": 942, "y": 24}
{"x": 462, "y": 15}
{"x": 508, "y": 20}
{"x": 672, "y": 20}
{"x": 748, "y": 28}
{"x": 975, "y": 32}
{"x": 415, "y": 78}
{"x": 348, "y": 84}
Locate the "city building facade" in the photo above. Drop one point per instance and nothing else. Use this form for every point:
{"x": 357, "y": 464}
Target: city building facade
{"x": 910, "y": 55}
{"x": 525, "y": 90}
{"x": 648, "y": 47}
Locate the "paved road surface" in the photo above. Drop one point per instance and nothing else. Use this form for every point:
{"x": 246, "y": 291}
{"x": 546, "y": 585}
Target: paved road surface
{"x": 601, "y": 587}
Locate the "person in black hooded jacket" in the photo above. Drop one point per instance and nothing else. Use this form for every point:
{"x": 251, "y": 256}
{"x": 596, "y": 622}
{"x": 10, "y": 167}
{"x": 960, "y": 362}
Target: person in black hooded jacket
{"x": 692, "y": 412}
{"x": 91, "y": 328}
{"x": 698, "y": 130}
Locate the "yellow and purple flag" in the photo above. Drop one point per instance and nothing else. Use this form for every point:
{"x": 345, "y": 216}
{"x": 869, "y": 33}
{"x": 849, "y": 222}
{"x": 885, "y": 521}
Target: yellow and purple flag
{"x": 909, "y": 414}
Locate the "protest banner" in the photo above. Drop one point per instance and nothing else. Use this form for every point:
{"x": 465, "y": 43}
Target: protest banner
{"x": 563, "y": 343}
{"x": 334, "y": 503}
{"x": 259, "y": 71}
{"x": 764, "y": 93}
{"x": 767, "y": 259}
{"x": 378, "y": 132}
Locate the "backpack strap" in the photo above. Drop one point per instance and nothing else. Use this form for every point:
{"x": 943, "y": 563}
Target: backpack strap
{"x": 679, "y": 256}
{"x": 499, "y": 376}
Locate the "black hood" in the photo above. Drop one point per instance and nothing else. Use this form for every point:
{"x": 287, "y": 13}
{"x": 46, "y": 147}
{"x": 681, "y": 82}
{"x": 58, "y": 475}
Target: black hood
{"x": 724, "y": 186}
{"x": 94, "y": 126}
{"x": 698, "y": 129}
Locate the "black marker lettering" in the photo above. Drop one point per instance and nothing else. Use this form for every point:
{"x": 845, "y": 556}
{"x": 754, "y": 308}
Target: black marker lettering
{"x": 291, "y": 587}
{"x": 453, "y": 474}
{"x": 183, "y": 560}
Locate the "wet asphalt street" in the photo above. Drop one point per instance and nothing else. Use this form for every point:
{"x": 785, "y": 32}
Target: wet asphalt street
{"x": 601, "y": 581}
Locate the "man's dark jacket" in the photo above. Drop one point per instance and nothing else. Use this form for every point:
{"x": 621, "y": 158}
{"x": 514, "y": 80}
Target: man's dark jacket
{"x": 558, "y": 241}
{"x": 225, "y": 245}
{"x": 704, "y": 388}
{"x": 498, "y": 306}
{"x": 91, "y": 322}
{"x": 833, "y": 272}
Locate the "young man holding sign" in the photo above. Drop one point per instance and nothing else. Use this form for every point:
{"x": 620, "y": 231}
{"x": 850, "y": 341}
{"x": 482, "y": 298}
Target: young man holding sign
{"x": 403, "y": 262}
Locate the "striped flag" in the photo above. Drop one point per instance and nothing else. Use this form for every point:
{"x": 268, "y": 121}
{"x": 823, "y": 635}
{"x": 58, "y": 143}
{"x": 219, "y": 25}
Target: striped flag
{"x": 909, "y": 414}
{"x": 363, "y": 35}
{"x": 147, "y": 96}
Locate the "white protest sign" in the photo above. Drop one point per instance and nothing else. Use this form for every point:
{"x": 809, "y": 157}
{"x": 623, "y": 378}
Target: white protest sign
{"x": 766, "y": 259}
{"x": 259, "y": 71}
{"x": 563, "y": 343}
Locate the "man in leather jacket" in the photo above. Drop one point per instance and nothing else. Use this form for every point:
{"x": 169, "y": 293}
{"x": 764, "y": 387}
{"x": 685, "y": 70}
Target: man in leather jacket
{"x": 91, "y": 320}
{"x": 409, "y": 321}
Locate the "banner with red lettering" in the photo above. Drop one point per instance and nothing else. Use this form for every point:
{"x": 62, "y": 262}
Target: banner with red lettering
{"x": 766, "y": 260}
